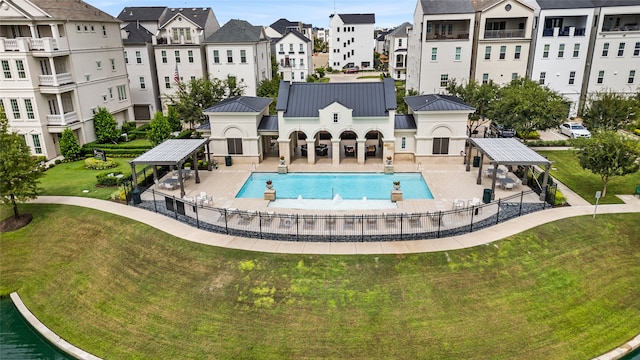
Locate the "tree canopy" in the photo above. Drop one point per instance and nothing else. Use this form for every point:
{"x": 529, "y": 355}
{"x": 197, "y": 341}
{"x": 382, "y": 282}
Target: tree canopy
{"x": 609, "y": 110}
{"x": 159, "y": 129}
{"x": 480, "y": 96}
{"x": 69, "y": 145}
{"x": 608, "y": 154}
{"x": 526, "y": 106}
{"x": 105, "y": 126}
{"x": 19, "y": 170}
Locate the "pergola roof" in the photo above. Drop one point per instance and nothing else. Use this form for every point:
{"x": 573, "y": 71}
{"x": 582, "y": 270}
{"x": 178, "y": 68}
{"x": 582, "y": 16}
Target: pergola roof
{"x": 509, "y": 152}
{"x": 170, "y": 152}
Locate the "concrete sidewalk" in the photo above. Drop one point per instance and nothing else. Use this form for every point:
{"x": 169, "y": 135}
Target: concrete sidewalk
{"x": 484, "y": 236}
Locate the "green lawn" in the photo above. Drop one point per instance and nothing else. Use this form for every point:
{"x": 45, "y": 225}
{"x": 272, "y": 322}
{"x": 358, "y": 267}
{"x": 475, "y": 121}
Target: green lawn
{"x": 585, "y": 183}
{"x": 369, "y": 77}
{"x": 71, "y": 179}
{"x": 123, "y": 290}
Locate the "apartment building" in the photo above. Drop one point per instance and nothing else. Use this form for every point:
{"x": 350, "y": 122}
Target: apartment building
{"x": 283, "y": 27}
{"x": 179, "y": 47}
{"x": 398, "y": 43}
{"x": 242, "y": 51}
{"x": 440, "y": 44}
{"x": 351, "y": 43}
{"x": 294, "y": 54}
{"x": 60, "y": 61}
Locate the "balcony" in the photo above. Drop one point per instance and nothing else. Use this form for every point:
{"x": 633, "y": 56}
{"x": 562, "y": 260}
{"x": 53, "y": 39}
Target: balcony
{"x": 566, "y": 31}
{"x": 501, "y": 34}
{"x": 442, "y": 30}
{"x": 455, "y": 35}
{"x": 621, "y": 23}
{"x": 19, "y": 44}
{"x": 62, "y": 120}
{"x": 55, "y": 80}
{"x": 42, "y": 46}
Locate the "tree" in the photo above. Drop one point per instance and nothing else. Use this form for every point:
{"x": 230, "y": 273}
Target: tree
{"x": 401, "y": 93}
{"x": 105, "y": 126}
{"x": 69, "y": 145}
{"x": 526, "y": 106}
{"x": 19, "y": 172}
{"x": 159, "y": 129}
{"x": 608, "y": 154}
{"x": 476, "y": 95}
{"x": 609, "y": 110}
{"x": 319, "y": 45}
{"x": 269, "y": 88}
{"x": 174, "y": 120}
{"x": 198, "y": 94}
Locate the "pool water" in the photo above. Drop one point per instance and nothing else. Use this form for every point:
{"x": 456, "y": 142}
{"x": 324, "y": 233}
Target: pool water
{"x": 350, "y": 186}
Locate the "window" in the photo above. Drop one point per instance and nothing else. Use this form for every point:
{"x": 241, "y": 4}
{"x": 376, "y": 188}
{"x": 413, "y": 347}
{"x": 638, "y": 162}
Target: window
{"x": 110, "y": 93}
{"x": 301, "y": 75}
{"x": 636, "y": 50}
{"x": 292, "y": 62}
{"x": 293, "y": 75}
{"x": 632, "y": 75}
{"x": 6, "y": 70}
{"x": 487, "y": 53}
{"x": 37, "y": 148}
{"x": 113, "y": 64}
{"x": 78, "y": 28}
{"x": 138, "y": 57}
{"x": 444, "y": 79}
{"x": 86, "y": 28}
{"x": 122, "y": 92}
{"x": 20, "y": 66}
{"x": 281, "y": 50}
{"x": 177, "y": 55}
{"x": 503, "y": 52}
{"x": 336, "y": 117}
{"x": 440, "y": 146}
{"x": 458, "y": 53}
{"x": 93, "y": 29}
{"x": 605, "y": 49}
{"x": 229, "y": 56}
{"x": 403, "y": 143}
{"x": 192, "y": 78}
{"x": 234, "y": 146}
{"x": 485, "y": 78}
{"x": 301, "y": 49}
{"x": 15, "y": 108}
{"x": 167, "y": 82}
{"x": 181, "y": 33}
{"x": 99, "y": 65}
{"x": 302, "y": 62}
{"x": 126, "y": 57}
{"x": 190, "y": 55}
{"x": 216, "y": 57}
{"x": 142, "y": 84}
{"x": 104, "y": 31}
{"x": 434, "y": 54}
{"x": 545, "y": 52}
{"x": 600, "y": 76}
{"x": 572, "y": 77}
{"x": 514, "y": 76}
{"x": 428, "y": 27}
{"x": 516, "y": 55}
{"x": 576, "y": 50}
{"x": 243, "y": 56}
{"x": 561, "y": 51}
{"x": 399, "y": 42}
{"x": 164, "y": 56}
{"x": 291, "y": 49}
{"x": 543, "y": 77}
{"x": 28, "y": 105}
{"x": 621, "y": 49}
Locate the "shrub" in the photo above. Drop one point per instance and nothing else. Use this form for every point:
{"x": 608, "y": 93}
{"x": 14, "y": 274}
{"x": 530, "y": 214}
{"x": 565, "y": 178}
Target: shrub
{"x": 528, "y": 135}
{"x": 560, "y": 199}
{"x": 128, "y": 126}
{"x": 58, "y": 161}
{"x": 185, "y": 134}
{"x": 97, "y": 164}
{"x": 110, "y": 178}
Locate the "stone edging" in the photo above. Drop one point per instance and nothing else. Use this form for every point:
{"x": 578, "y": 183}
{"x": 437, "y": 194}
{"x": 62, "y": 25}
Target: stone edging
{"x": 621, "y": 350}
{"x": 45, "y": 332}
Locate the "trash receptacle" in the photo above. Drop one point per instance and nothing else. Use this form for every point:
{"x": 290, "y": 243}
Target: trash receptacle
{"x": 486, "y": 196}
{"x": 476, "y": 161}
{"x": 227, "y": 160}
{"x": 135, "y": 196}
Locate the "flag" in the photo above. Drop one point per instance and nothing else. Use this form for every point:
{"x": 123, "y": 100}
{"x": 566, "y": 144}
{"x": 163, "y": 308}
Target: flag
{"x": 176, "y": 76}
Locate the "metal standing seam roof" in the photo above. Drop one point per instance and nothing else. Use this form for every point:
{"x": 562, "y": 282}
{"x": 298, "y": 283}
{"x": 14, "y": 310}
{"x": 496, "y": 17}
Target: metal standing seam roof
{"x": 435, "y": 102}
{"x": 354, "y": 19}
{"x": 170, "y": 152}
{"x": 236, "y": 31}
{"x": 240, "y": 104}
{"x": 268, "y": 123}
{"x": 447, "y": 7}
{"x": 405, "y": 122}
{"x": 509, "y": 152}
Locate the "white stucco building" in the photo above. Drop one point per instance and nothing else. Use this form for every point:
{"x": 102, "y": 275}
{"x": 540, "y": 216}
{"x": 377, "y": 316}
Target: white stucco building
{"x": 294, "y": 54}
{"x": 351, "y": 43}
{"x": 398, "y": 44}
{"x": 60, "y": 61}
{"x": 241, "y": 50}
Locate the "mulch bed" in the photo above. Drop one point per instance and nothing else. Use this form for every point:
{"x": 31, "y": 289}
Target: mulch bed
{"x": 12, "y": 223}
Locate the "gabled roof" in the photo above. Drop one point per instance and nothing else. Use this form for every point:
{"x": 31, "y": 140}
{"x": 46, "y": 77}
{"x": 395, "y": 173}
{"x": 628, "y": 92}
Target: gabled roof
{"x": 198, "y": 16}
{"x": 434, "y": 102}
{"x": 405, "y": 122}
{"x": 236, "y": 31}
{"x": 364, "y": 98}
{"x": 268, "y": 123}
{"x": 582, "y": 4}
{"x": 136, "y": 34}
{"x": 281, "y": 25}
{"x": 240, "y": 104}
{"x": 355, "y": 19}
{"x": 73, "y": 10}
{"x": 400, "y": 30}
{"x": 484, "y": 5}
{"x": 142, "y": 13}
{"x": 296, "y": 34}
{"x": 447, "y": 7}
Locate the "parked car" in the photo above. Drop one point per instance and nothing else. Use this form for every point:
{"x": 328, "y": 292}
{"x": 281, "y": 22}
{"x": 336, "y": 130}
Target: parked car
{"x": 351, "y": 70}
{"x": 497, "y": 130}
{"x": 574, "y": 130}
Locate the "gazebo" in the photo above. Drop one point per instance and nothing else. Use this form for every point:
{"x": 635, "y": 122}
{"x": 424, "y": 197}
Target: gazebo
{"x": 506, "y": 152}
{"x": 172, "y": 152}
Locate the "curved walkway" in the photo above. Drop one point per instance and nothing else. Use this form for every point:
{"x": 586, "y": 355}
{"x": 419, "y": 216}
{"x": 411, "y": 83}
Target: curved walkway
{"x": 480, "y": 237}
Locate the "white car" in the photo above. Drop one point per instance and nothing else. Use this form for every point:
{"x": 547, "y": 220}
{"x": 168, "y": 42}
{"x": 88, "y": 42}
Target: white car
{"x": 574, "y": 130}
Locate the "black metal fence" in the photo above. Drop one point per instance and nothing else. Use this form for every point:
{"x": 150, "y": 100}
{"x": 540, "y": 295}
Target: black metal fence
{"x": 390, "y": 226}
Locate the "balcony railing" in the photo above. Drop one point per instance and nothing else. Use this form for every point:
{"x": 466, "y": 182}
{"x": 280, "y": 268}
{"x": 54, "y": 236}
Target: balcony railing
{"x": 456, "y": 35}
{"x": 30, "y": 44}
{"x": 627, "y": 27}
{"x": 500, "y": 34}
{"x": 60, "y": 120}
{"x": 55, "y": 80}
{"x": 567, "y": 31}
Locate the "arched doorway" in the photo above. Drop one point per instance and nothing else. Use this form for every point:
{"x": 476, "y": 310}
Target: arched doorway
{"x": 373, "y": 145}
{"x": 298, "y": 145}
{"x": 348, "y": 146}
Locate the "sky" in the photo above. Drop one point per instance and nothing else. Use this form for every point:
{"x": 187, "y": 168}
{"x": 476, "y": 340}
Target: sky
{"x": 265, "y": 12}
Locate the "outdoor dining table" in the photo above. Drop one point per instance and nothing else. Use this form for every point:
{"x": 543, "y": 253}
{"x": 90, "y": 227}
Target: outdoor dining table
{"x": 504, "y": 181}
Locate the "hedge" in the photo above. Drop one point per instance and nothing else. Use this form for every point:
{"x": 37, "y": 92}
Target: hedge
{"x": 111, "y": 178}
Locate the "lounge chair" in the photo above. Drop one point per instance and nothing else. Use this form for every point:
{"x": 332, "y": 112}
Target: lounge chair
{"x": 246, "y": 217}
{"x": 349, "y": 222}
{"x": 371, "y": 150}
{"x": 286, "y": 221}
{"x": 414, "y": 220}
{"x": 458, "y": 204}
{"x": 309, "y": 221}
{"x": 372, "y": 222}
{"x": 330, "y": 222}
{"x": 390, "y": 220}
{"x": 303, "y": 150}
{"x": 349, "y": 151}
{"x": 267, "y": 217}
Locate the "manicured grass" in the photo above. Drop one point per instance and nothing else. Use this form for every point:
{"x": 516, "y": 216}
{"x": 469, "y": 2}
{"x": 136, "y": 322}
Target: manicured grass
{"x": 71, "y": 179}
{"x": 369, "y": 77}
{"x": 584, "y": 182}
{"x": 123, "y": 290}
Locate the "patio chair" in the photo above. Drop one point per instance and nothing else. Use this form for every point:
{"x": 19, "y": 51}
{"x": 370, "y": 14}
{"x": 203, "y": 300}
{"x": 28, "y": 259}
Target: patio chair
{"x": 372, "y": 222}
{"x": 458, "y": 204}
{"x": 509, "y": 186}
{"x": 349, "y": 222}
{"x": 390, "y": 220}
{"x": 435, "y": 217}
{"x": 267, "y": 217}
{"x": 330, "y": 222}
{"x": 286, "y": 221}
{"x": 414, "y": 220}
{"x": 309, "y": 221}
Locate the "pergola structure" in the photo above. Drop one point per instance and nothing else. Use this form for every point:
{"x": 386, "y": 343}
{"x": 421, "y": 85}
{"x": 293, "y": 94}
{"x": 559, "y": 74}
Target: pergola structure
{"x": 172, "y": 152}
{"x": 506, "y": 152}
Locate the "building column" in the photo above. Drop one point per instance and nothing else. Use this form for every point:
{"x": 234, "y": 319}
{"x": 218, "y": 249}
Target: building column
{"x": 335, "y": 152}
{"x": 34, "y": 31}
{"x": 60, "y": 108}
{"x": 283, "y": 149}
{"x": 545, "y": 180}
{"x": 311, "y": 151}
{"x": 360, "y": 150}
{"x": 54, "y": 31}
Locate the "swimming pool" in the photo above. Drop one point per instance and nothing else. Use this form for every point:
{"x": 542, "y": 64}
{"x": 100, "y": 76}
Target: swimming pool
{"x": 350, "y": 186}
